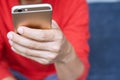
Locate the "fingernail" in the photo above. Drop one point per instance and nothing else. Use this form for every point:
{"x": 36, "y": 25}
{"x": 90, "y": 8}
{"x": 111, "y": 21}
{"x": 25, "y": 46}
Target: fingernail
{"x": 10, "y": 42}
{"x": 10, "y": 35}
{"x": 20, "y": 30}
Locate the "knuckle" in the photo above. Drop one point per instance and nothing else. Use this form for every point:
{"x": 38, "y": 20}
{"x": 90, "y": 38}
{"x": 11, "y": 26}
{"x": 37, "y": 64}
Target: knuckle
{"x": 56, "y": 48}
{"x": 60, "y": 36}
{"x": 53, "y": 56}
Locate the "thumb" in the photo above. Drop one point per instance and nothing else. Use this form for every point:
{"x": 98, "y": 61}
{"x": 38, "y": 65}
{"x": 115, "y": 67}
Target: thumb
{"x": 55, "y": 25}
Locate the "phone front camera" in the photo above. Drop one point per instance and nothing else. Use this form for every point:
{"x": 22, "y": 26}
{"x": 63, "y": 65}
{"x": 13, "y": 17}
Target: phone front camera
{"x": 20, "y": 10}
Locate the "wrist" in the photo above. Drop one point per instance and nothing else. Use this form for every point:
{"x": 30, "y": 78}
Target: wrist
{"x": 68, "y": 54}
{"x": 70, "y": 57}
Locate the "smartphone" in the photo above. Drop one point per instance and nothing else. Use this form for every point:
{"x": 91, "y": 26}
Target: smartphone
{"x": 38, "y": 16}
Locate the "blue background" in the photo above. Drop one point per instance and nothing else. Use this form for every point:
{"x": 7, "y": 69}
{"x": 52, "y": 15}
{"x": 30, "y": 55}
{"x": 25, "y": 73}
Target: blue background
{"x": 104, "y": 41}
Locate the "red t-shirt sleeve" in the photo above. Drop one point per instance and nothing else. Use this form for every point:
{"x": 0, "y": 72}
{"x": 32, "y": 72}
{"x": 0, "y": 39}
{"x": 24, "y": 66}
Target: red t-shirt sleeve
{"x": 74, "y": 22}
{"x": 4, "y": 70}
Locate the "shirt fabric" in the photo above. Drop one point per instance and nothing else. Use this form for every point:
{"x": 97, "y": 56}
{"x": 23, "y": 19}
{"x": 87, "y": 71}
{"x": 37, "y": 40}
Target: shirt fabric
{"x": 71, "y": 16}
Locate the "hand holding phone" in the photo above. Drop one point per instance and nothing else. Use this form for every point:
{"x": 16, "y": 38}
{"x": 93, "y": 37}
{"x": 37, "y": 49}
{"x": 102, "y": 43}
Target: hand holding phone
{"x": 42, "y": 46}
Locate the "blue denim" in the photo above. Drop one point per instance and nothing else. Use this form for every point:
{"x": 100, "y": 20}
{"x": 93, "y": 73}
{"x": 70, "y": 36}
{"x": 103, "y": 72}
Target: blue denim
{"x": 21, "y": 77}
{"x": 18, "y": 75}
{"x": 52, "y": 77}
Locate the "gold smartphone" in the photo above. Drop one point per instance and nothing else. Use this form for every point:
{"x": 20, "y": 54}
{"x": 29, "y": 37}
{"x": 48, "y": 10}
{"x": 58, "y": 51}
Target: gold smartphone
{"x": 37, "y": 16}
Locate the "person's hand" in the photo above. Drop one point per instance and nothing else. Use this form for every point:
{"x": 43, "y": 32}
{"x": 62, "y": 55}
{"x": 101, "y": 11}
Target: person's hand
{"x": 9, "y": 78}
{"x": 43, "y": 46}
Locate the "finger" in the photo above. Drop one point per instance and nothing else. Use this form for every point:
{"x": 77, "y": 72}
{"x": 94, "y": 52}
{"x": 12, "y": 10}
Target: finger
{"x": 48, "y": 46}
{"x": 37, "y": 34}
{"x": 39, "y": 60}
{"x": 33, "y": 53}
{"x": 55, "y": 25}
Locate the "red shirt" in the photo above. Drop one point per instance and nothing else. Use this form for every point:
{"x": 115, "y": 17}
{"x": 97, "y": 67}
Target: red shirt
{"x": 72, "y": 17}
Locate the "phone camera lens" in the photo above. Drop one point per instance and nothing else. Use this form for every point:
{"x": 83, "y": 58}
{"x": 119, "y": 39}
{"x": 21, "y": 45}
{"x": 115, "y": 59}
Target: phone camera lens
{"x": 20, "y": 10}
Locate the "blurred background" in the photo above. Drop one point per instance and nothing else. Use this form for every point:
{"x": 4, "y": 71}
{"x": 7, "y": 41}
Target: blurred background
{"x": 105, "y": 39}
{"x": 94, "y": 1}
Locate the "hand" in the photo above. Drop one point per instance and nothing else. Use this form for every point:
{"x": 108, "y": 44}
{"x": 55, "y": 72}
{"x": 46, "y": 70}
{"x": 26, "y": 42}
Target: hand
{"x": 43, "y": 46}
{"x": 9, "y": 78}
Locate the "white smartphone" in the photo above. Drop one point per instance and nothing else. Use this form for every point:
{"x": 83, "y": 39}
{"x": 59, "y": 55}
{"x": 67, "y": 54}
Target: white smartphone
{"x": 37, "y": 16}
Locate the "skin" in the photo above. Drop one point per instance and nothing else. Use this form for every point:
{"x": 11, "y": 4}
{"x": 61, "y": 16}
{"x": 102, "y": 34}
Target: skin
{"x": 50, "y": 47}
